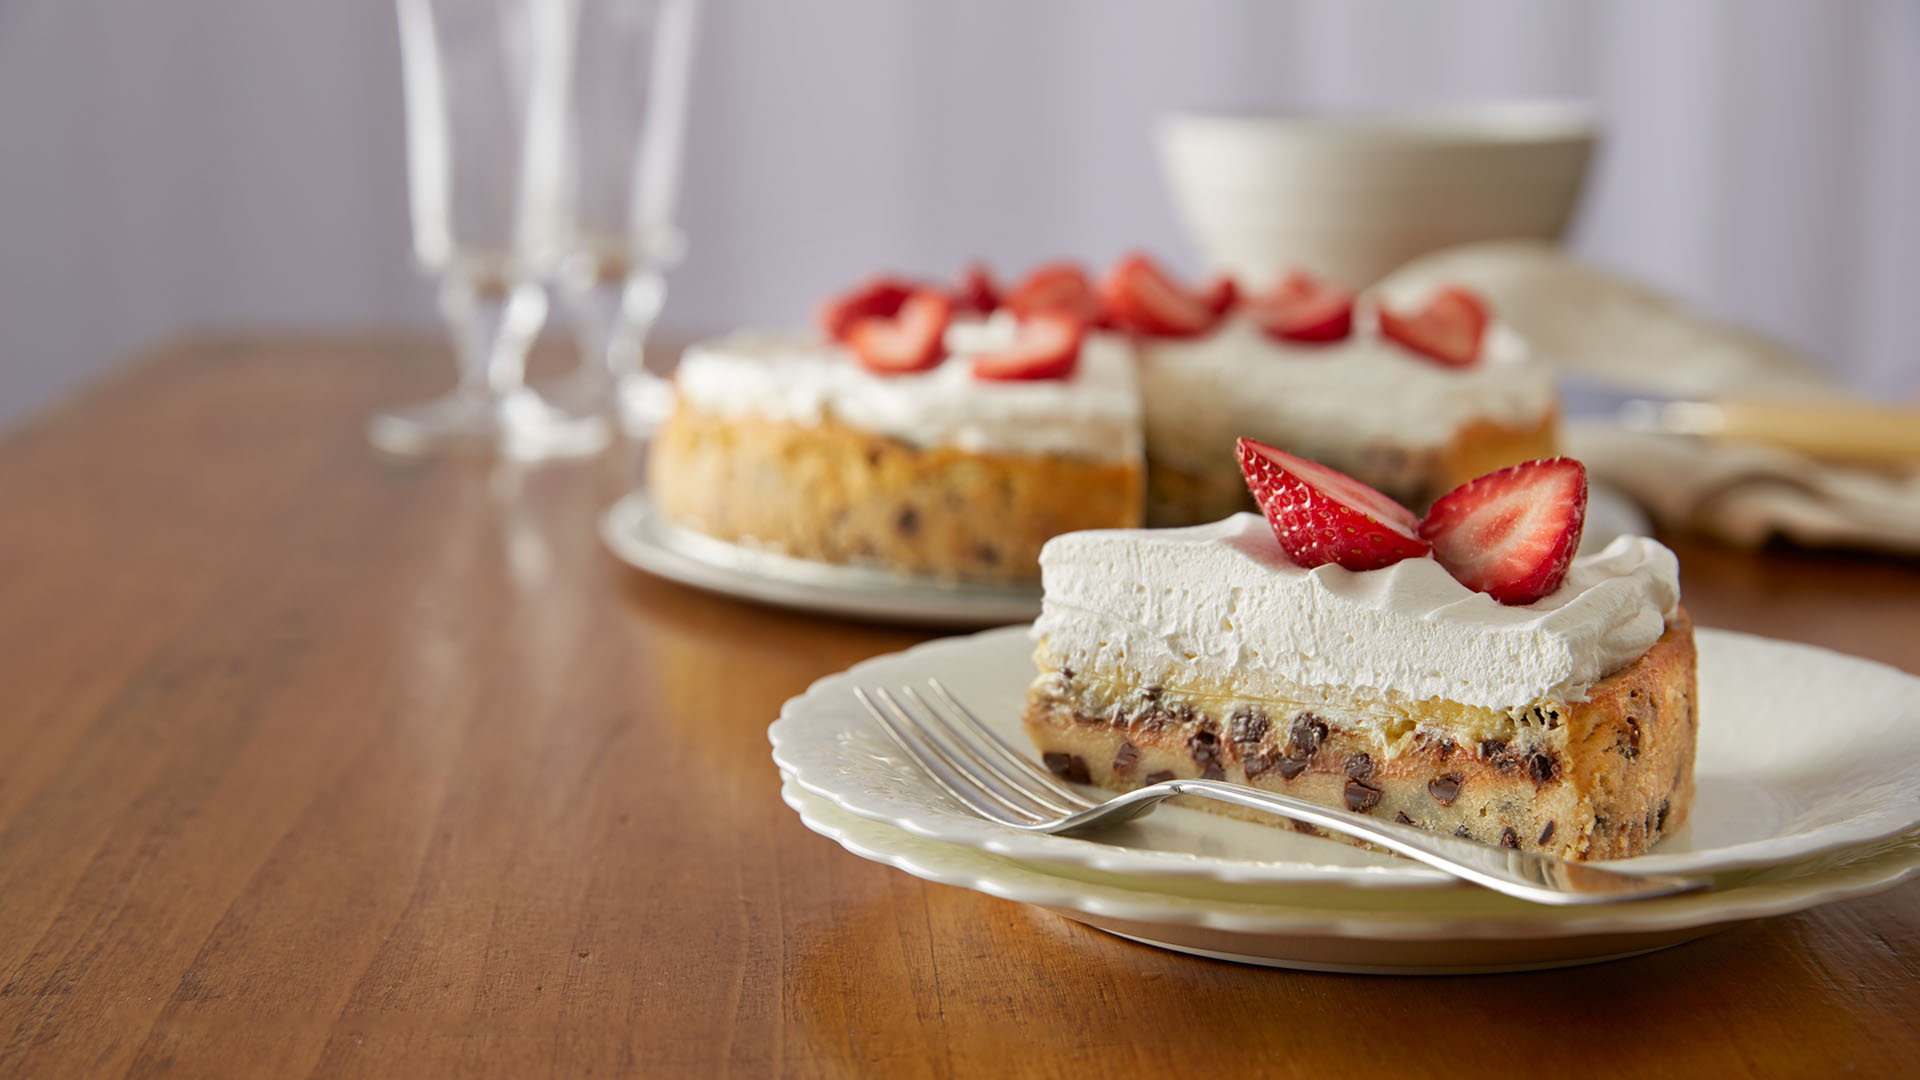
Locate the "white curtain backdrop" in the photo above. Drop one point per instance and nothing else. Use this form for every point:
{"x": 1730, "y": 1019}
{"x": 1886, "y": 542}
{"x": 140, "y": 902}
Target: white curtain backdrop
{"x": 168, "y": 168}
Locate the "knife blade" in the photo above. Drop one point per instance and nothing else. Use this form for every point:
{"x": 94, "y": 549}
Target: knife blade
{"x": 1831, "y": 428}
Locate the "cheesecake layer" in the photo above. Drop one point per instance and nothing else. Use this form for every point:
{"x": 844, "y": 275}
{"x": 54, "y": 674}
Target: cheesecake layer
{"x": 1605, "y": 777}
{"x": 836, "y": 493}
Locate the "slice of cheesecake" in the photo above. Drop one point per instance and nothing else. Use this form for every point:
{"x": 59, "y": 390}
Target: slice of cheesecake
{"x": 1565, "y": 724}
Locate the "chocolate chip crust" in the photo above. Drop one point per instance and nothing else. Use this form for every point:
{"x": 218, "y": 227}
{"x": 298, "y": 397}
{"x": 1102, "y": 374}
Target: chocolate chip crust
{"x": 838, "y": 494}
{"x": 1178, "y": 494}
{"x": 1603, "y": 778}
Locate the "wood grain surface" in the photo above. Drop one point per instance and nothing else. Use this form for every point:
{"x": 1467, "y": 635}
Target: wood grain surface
{"x": 317, "y": 764}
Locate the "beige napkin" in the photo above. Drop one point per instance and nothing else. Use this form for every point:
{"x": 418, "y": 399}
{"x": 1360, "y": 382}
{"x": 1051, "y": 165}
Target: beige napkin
{"x": 1745, "y": 493}
{"x": 1603, "y": 327}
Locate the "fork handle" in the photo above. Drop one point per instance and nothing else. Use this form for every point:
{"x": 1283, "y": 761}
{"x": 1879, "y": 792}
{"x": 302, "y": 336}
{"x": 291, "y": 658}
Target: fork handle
{"x": 1544, "y": 879}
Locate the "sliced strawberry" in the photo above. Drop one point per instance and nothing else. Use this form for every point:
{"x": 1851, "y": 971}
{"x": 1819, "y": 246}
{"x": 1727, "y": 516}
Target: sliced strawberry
{"x": 1140, "y": 297}
{"x": 1055, "y": 286}
{"x": 879, "y": 296}
{"x": 1511, "y": 534}
{"x": 1448, "y": 330}
{"x": 909, "y": 341}
{"x": 976, "y": 293}
{"x": 1303, "y": 309}
{"x": 1048, "y": 348}
{"x": 1221, "y": 294}
{"x": 1321, "y": 515}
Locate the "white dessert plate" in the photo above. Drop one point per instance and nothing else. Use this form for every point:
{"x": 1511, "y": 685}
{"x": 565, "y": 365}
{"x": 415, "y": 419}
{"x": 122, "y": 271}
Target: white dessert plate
{"x": 1802, "y": 751}
{"x": 642, "y": 537}
{"x": 1427, "y": 932}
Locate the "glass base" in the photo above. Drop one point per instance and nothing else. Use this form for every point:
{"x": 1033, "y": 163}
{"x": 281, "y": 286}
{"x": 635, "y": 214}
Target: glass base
{"x": 520, "y": 425}
{"x": 638, "y": 402}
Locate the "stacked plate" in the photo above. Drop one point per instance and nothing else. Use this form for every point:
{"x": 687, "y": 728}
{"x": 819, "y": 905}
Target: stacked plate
{"x": 1809, "y": 791}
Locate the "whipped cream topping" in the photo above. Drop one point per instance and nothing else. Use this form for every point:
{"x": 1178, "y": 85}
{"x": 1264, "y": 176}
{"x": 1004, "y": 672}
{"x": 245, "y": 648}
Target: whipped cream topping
{"x": 1094, "y": 414}
{"x": 1221, "y": 605}
{"x": 1202, "y": 394}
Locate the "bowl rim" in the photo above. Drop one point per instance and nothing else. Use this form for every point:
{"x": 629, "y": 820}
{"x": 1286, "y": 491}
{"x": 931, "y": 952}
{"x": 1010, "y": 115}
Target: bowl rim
{"x": 1506, "y": 121}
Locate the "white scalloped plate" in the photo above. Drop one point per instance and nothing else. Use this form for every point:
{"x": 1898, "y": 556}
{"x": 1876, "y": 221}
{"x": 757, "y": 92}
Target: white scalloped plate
{"x": 1427, "y": 932}
{"x": 1802, "y": 751}
{"x": 642, "y": 537}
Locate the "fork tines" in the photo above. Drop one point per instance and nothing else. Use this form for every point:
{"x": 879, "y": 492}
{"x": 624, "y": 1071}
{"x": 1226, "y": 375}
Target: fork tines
{"x": 967, "y": 759}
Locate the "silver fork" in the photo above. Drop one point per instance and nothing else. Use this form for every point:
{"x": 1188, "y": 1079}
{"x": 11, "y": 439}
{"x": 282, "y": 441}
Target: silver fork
{"x": 985, "y": 774}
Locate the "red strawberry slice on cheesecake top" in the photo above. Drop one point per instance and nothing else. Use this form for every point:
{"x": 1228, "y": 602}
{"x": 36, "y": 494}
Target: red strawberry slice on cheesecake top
{"x": 1512, "y": 534}
{"x": 1321, "y": 515}
{"x": 911, "y": 339}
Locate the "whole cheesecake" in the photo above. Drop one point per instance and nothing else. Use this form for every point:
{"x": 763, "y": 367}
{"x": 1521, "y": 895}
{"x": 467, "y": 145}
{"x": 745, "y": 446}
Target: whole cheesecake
{"x": 789, "y": 443}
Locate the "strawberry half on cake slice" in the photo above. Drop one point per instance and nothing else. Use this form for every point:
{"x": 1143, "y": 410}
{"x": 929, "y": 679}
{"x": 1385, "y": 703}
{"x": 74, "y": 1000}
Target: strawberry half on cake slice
{"x": 1466, "y": 672}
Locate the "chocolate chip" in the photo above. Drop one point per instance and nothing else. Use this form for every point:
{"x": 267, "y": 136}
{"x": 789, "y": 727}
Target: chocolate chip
{"x": 1159, "y": 777}
{"x": 1462, "y": 833}
{"x": 1290, "y": 767}
{"x": 1304, "y": 827}
{"x": 1660, "y": 819}
{"x": 1543, "y": 767}
{"x": 1360, "y": 797}
{"x": 908, "y": 522}
{"x": 1151, "y": 693}
{"x": 1633, "y": 740}
{"x": 1546, "y": 834}
{"x": 1125, "y": 758}
{"x": 1066, "y": 673}
{"x": 1509, "y": 839}
{"x": 1306, "y": 735}
{"x": 1444, "y": 789}
{"x": 1247, "y": 726}
{"x": 1258, "y": 765}
{"x": 1402, "y": 818}
{"x": 987, "y": 554}
{"x": 1360, "y": 766}
{"x": 1205, "y": 748}
{"x": 1071, "y": 766}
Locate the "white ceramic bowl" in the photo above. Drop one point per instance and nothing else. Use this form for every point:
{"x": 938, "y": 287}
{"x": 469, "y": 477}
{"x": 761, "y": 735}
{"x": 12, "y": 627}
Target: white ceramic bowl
{"x": 1354, "y": 196}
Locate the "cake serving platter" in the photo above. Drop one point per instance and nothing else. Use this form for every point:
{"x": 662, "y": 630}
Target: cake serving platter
{"x": 642, "y": 537}
{"x": 1426, "y": 932}
{"x": 1802, "y": 752}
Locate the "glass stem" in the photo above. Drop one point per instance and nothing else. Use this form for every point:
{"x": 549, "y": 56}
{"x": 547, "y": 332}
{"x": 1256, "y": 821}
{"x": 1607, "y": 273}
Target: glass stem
{"x": 611, "y": 319}
{"x": 493, "y": 324}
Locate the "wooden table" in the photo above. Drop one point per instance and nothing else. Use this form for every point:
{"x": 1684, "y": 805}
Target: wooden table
{"x": 312, "y": 763}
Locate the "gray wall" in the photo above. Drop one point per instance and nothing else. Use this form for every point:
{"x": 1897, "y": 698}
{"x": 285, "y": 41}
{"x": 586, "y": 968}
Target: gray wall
{"x": 193, "y": 164}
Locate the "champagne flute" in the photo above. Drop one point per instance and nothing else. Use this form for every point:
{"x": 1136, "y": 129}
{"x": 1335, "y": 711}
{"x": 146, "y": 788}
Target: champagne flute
{"x": 484, "y": 85}
{"x": 626, "y": 118}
